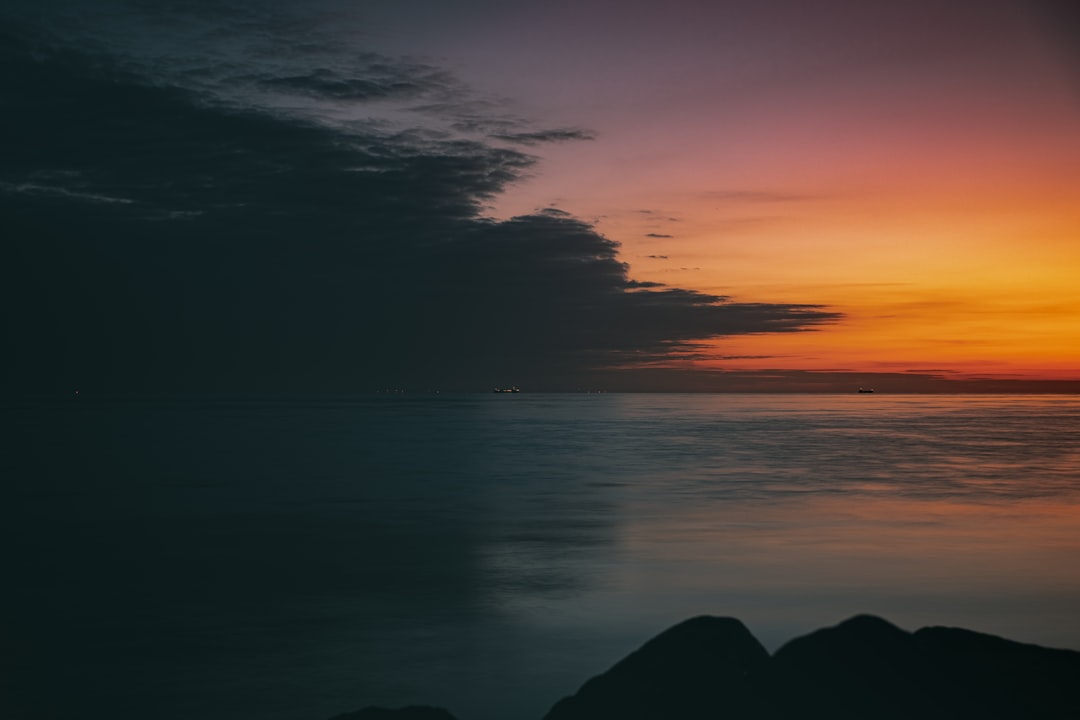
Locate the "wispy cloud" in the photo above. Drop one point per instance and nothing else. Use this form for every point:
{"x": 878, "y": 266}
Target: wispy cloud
{"x": 654, "y": 215}
{"x": 32, "y": 188}
{"x": 536, "y": 137}
{"x": 373, "y": 78}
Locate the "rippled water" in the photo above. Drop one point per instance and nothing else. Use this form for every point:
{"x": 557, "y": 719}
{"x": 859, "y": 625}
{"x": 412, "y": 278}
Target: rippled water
{"x": 489, "y": 553}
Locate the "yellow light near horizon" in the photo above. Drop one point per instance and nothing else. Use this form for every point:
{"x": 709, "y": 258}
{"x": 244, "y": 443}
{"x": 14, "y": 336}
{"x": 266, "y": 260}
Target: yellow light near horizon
{"x": 967, "y": 339}
{"x": 938, "y": 210}
{"x": 980, "y": 282}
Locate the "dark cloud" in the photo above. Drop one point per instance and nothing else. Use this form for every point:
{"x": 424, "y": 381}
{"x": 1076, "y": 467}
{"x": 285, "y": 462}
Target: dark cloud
{"x": 380, "y": 80}
{"x": 159, "y": 239}
{"x": 469, "y": 122}
{"x": 657, "y": 257}
{"x": 537, "y": 137}
{"x": 658, "y": 235}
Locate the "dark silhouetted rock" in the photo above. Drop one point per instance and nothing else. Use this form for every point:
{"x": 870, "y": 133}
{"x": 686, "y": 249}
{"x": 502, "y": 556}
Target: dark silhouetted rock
{"x": 985, "y": 676}
{"x": 700, "y": 668}
{"x": 863, "y": 668}
{"x": 866, "y": 667}
{"x": 711, "y": 668}
{"x": 413, "y": 712}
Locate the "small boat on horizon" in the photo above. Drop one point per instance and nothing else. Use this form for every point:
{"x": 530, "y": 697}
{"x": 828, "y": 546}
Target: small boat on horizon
{"x": 865, "y": 391}
{"x": 511, "y": 389}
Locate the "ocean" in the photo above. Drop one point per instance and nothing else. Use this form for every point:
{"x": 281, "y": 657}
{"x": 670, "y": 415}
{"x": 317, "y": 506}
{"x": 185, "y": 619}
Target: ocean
{"x": 273, "y": 560}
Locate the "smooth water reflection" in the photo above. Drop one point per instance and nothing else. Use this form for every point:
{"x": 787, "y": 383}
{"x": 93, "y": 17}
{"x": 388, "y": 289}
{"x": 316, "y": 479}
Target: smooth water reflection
{"x": 489, "y": 553}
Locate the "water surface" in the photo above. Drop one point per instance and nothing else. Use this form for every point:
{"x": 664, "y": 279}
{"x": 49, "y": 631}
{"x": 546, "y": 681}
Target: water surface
{"x": 235, "y": 560}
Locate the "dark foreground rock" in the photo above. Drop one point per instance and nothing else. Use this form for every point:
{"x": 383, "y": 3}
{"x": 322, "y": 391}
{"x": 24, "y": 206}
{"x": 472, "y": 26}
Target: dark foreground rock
{"x": 711, "y": 668}
{"x": 701, "y": 668}
{"x": 863, "y": 668}
{"x": 868, "y": 665}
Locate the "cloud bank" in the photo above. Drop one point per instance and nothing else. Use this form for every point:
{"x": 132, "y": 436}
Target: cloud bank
{"x": 277, "y": 226}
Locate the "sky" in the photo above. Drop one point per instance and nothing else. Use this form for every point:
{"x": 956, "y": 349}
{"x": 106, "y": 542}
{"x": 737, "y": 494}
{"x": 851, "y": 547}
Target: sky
{"x": 333, "y": 196}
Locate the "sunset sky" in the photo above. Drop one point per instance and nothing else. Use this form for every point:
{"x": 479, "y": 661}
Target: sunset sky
{"x": 339, "y": 195}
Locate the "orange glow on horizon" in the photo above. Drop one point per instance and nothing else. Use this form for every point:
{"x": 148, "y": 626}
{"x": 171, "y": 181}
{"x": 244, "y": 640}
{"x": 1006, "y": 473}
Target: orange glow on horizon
{"x": 934, "y": 202}
{"x": 986, "y": 292}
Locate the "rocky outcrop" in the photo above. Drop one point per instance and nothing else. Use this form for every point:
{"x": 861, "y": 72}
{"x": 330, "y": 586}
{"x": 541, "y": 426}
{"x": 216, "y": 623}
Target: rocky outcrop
{"x": 862, "y": 668}
{"x": 712, "y": 668}
{"x": 701, "y": 668}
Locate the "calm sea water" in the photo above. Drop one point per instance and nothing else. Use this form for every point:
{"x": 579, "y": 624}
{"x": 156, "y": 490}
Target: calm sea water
{"x": 488, "y": 553}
